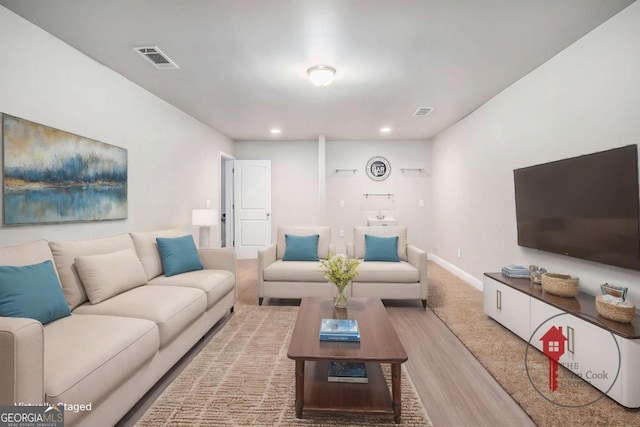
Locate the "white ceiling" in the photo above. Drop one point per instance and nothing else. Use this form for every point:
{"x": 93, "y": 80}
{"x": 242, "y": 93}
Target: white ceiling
{"x": 243, "y": 62}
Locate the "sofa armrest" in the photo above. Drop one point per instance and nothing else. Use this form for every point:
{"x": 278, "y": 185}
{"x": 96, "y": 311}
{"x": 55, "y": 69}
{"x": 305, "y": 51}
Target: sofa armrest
{"x": 350, "y": 250}
{"x": 418, "y": 258}
{"x": 218, "y": 259}
{"x": 332, "y": 248}
{"x": 21, "y": 361}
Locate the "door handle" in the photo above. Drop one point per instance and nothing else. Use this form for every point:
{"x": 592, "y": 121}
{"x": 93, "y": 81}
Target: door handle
{"x": 268, "y": 214}
{"x": 571, "y": 340}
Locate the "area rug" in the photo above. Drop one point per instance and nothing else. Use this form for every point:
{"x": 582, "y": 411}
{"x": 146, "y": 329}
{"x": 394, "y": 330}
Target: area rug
{"x": 460, "y": 306}
{"x": 243, "y": 378}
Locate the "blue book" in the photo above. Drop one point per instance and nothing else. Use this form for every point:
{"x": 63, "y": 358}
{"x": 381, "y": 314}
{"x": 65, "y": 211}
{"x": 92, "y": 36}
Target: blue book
{"x": 339, "y": 330}
{"x": 347, "y": 372}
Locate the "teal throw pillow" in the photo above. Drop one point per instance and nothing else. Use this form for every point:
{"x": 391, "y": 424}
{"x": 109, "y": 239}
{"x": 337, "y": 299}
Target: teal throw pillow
{"x": 32, "y": 291}
{"x": 301, "y": 248}
{"x": 178, "y": 255}
{"x": 381, "y": 248}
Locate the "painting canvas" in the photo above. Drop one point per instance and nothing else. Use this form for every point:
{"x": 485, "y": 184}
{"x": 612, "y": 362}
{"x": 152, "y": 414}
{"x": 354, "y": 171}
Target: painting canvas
{"x": 52, "y": 176}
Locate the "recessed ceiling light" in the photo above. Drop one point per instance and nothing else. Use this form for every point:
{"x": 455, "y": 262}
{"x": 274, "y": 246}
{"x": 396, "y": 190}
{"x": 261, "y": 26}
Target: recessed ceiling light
{"x": 385, "y": 129}
{"x": 275, "y": 131}
{"x": 321, "y": 75}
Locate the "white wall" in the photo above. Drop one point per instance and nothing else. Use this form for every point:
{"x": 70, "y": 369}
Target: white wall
{"x": 173, "y": 159}
{"x": 586, "y": 99}
{"x": 296, "y": 189}
{"x": 294, "y": 179}
{"x": 407, "y": 188}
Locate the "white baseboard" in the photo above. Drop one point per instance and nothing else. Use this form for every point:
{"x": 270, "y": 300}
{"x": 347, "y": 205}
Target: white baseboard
{"x": 476, "y": 283}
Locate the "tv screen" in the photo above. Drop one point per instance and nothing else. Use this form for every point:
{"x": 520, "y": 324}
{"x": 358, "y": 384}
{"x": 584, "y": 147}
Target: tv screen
{"x": 585, "y": 207}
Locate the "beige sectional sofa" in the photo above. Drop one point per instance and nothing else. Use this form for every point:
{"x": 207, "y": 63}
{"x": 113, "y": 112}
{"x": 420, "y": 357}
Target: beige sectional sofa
{"x": 405, "y": 279}
{"x": 112, "y": 348}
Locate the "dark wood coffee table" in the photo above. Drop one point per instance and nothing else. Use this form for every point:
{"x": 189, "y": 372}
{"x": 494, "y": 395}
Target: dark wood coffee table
{"x": 378, "y": 344}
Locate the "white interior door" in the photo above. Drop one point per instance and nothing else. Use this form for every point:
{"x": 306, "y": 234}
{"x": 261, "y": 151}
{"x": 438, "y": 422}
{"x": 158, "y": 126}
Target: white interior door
{"x": 252, "y": 202}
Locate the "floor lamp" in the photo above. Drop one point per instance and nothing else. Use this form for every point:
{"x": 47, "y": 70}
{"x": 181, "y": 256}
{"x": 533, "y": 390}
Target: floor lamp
{"x": 204, "y": 218}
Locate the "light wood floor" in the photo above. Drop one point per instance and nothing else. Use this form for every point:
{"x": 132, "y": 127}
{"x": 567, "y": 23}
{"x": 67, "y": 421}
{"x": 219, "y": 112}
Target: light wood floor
{"x": 454, "y": 387}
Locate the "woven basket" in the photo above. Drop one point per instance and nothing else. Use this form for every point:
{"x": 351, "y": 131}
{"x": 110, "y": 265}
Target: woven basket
{"x": 615, "y": 312}
{"x": 561, "y": 285}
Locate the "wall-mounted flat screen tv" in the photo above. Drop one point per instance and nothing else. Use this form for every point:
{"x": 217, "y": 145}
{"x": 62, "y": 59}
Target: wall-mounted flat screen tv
{"x": 584, "y": 207}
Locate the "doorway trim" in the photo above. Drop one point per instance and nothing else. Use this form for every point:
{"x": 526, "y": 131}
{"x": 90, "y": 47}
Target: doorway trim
{"x": 226, "y": 199}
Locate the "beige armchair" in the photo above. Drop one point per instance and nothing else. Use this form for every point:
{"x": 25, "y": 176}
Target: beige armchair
{"x": 293, "y": 279}
{"x": 406, "y": 279}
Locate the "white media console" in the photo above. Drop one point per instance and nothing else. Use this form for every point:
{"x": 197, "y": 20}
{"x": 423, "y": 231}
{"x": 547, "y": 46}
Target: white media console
{"x": 591, "y": 352}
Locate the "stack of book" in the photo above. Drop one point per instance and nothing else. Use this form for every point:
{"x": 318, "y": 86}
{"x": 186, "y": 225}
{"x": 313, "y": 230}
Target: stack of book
{"x": 517, "y": 271}
{"x": 347, "y": 372}
{"x": 339, "y": 330}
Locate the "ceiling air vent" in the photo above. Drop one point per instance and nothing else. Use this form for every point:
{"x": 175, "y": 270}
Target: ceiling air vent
{"x": 156, "y": 57}
{"x": 423, "y": 111}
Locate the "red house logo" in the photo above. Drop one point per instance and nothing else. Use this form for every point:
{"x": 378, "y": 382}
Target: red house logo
{"x": 553, "y": 347}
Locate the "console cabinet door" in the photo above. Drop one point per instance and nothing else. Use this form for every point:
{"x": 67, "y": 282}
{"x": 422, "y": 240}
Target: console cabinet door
{"x": 590, "y": 351}
{"x": 592, "y": 354}
{"x": 629, "y": 372}
{"x": 542, "y": 316}
{"x": 507, "y": 306}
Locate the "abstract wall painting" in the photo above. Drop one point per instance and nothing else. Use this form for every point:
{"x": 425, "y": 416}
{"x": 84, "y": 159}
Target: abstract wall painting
{"x": 52, "y": 176}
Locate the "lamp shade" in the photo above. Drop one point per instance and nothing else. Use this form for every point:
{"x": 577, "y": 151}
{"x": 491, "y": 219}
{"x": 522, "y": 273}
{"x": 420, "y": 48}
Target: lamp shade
{"x": 204, "y": 217}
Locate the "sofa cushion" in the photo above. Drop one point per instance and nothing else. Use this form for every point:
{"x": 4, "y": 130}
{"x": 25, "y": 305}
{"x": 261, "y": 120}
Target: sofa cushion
{"x": 106, "y": 275}
{"x": 388, "y": 231}
{"x": 300, "y": 271}
{"x": 301, "y": 248}
{"x": 215, "y": 283}
{"x": 147, "y": 249}
{"x": 387, "y": 272}
{"x": 178, "y": 255}
{"x": 65, "y": 254}
{"x": 324, "y": 239}
{"x": 381, "y": 248}
{"x": 87, "y": 357}
{"x": 171, "y": 308}
{"x": 32, "y": 291}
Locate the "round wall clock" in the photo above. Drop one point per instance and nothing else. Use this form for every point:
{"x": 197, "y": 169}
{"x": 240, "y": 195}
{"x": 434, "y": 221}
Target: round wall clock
{"x": 378, "y": 168}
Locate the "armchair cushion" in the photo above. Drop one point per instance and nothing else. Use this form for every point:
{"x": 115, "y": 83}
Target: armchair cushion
{"x": 379, "y": 231}
{"x": 387, "y": 272}
{"x": 301, "y": 248}
{"x": 381, "y": 248}
{"x": 324, "y": 239}
{"x": 302, "y": 271}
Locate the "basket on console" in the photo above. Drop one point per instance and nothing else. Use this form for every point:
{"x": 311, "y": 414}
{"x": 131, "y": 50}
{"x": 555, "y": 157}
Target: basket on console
{"x": 614, "y": 312}
{"x": 561, "y": 285}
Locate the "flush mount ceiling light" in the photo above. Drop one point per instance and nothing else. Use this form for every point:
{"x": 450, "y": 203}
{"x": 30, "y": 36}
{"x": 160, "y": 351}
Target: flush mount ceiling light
{"x": 275, "y": 131}
{"x": 321, "y": 75}
{"x": 385, "y": 129}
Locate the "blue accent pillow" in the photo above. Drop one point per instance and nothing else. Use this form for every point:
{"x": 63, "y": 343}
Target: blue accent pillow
{"x": 381, "y": 248}
{"x": 301, "y": 248}
{"x": 178, "y": 255}
{"x": 32, "y": 291}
